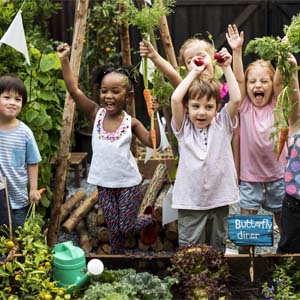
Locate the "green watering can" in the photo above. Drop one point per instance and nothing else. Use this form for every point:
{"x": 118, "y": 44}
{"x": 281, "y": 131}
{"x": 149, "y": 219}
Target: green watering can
{"x": 70, "y": 266}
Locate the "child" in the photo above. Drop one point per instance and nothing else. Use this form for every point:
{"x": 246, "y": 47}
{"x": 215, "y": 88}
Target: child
{"x": 206, "y": 181}
{"x": 113, "y": 168}
{"x": 19, "y": 155}
{"x": 290, "y": 215}
{"x": 191, "y": 47}
{"x": 261, "y": 175}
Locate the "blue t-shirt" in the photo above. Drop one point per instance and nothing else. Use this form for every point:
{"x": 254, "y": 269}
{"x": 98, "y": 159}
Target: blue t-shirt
{"x": 18, "y": 148}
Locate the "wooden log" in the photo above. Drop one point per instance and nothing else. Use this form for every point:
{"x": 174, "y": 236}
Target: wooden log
{"x": 92, "y": 222}
{"x": 171, "y": 231}
{"x": 84, "y": 238}
{"x": 168, "y": 245}
{"x": 142, "y": 246}
{"x": 157, "y": 245}
{"x": 103, "y": 234}
{"x": 104, "y": 249}
{"x": 81, "y": 211}
{"x": 70, "y": 203}
{"x": 80, "y": 225}
{"x": 154, "y": 187}
{"x": 100, "y": 219}
{"x": 130, "y": 241}
{"x": 67, "y": 124}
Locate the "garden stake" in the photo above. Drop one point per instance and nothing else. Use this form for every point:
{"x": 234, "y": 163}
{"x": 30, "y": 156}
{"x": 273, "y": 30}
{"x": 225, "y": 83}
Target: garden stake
{"x": 251, "y": 255}
{"x": 8, "y": 209}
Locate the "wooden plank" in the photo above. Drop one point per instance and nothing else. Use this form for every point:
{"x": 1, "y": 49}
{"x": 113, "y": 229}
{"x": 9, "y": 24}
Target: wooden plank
{"x": 239, "y": 21}
{"x": 67, "y": 124}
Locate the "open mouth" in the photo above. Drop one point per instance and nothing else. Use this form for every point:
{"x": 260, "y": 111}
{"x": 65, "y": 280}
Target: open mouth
{"x": 109, "y": 105}
{"x": 259, "y": 96}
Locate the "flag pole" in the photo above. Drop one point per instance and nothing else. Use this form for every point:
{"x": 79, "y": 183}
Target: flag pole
{"x": 22, "y": 4}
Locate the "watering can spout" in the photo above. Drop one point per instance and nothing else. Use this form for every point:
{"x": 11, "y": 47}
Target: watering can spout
{"x": 94, "y": 267}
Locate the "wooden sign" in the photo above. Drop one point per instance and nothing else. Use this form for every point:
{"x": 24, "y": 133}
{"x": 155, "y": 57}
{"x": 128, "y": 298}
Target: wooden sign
{"x": 256, "y": 230}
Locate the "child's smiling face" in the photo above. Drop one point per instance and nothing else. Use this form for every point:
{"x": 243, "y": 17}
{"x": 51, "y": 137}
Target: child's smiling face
{"x": 10, "y": 104}
{"x": 113, "y": 92}
{"x": 201, "y": 111}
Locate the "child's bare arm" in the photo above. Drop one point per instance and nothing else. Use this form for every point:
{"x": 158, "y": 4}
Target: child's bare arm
{"x": 34, "y": 195}
{"x": 178, "y": 109}
{"x": 233, "y": 87}
{"x": 235, "y": 41}
{"x": 84, "y": 103}
{"x": 146, "y": 49}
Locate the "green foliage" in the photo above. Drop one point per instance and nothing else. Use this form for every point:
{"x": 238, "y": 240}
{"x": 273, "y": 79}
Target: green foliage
{"x": 128, "y": 284}
{"x": 27, "y": 276}
{"x": 161, "y": 89}
{"x": 147, "y": 18}
{"x": 285, "y": 282}
{"x": 202, "y": 272}
{"x": 274, "y": 49}
{"x": 46, "y": 90}
{"x": 44, "y": 109}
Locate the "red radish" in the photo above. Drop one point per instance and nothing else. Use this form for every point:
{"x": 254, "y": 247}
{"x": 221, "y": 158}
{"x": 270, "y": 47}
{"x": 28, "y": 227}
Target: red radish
{"x": 218, "y": 57}
{"x": 198, "y": 61}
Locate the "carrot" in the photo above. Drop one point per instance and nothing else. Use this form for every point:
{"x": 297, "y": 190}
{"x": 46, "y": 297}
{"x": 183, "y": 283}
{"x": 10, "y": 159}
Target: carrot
{"x": 153, "y": 138}
{"x": 148, "y": 100}
{"x": 282, "y": 139}
{"x": 42, "y": 190}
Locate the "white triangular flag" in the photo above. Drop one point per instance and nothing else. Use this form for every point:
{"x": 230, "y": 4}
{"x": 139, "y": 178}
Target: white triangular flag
{"x": 164, "y": 143}
{"x": 15, "y": 36}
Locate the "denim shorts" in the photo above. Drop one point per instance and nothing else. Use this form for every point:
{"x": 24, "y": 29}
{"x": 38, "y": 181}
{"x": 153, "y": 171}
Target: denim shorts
{"x": 266, "y": 195}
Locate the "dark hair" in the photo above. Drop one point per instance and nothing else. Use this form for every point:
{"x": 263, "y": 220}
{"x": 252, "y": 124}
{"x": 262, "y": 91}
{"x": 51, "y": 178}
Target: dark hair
{"x": 11, "y": 83}
{"x": 200, "y": 88}
{"x": 100, "y": 71}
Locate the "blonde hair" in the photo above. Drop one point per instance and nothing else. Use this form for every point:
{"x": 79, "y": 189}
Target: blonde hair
{"x": 208, "y": 47}
{"x": 200, "y": 88}
{"x": 263, "y": 64}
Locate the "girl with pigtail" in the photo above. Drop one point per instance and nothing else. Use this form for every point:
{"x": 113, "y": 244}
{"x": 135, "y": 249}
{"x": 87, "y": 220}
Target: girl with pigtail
{"x": 113, "y": 168}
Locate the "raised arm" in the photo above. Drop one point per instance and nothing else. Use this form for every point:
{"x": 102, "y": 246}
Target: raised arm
{"x": 147, "y": 50}
{"x": 178, "y": 109}
{"x": 235, "y": 41}
{"x": 82, "y": 101}
{"x": 294, "y": 117}
{"x": 233, "y": 87}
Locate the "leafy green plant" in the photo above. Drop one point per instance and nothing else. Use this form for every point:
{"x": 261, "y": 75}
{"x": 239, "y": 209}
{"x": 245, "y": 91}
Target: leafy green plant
{"x": 285, "y": 282}
{"x": 25, "y": 274}
{"x": 42, "y": 78}
{"x": 128, "y": 284}
{"x": 202, "y": 272}
{"x": 273, "y": 49}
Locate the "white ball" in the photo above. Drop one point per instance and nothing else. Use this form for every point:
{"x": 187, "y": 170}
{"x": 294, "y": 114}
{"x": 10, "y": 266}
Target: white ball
{"x": 95, "y": 267}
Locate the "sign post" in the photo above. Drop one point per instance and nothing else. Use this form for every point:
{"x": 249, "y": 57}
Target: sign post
{"x": 251, "y": 230}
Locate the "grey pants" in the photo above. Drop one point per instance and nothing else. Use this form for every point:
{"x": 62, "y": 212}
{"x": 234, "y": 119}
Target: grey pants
{"x": 203, "y": 227}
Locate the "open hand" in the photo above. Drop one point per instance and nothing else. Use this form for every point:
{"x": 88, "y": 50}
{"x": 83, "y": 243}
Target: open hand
{"x": 234, "y": 38}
